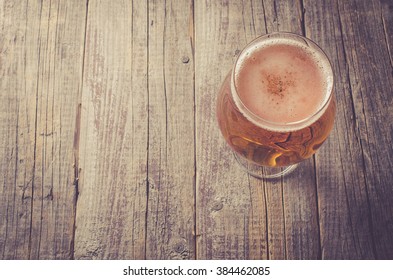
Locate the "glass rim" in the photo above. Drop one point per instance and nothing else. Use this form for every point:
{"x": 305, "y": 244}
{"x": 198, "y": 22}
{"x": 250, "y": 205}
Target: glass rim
{"x": 287, "y": 126}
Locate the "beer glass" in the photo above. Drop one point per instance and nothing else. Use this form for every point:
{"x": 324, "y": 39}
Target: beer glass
{"x": 276, "y": 106}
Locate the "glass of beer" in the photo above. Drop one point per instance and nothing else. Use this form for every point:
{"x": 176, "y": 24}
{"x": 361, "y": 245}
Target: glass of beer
{"x": 276, "y": 106}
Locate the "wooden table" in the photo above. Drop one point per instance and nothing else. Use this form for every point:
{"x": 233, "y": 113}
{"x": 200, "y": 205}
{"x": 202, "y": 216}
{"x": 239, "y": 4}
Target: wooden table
{"x": 109, "y": 147}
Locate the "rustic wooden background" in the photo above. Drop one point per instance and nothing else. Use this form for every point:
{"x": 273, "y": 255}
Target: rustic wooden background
{"x": 109, "y": 147}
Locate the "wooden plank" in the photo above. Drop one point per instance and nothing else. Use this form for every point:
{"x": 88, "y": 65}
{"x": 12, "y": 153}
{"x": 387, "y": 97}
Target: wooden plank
{"x": 387, "y": 23}
{"x": 111, "y": 209}
{"x": 367, "y": 55}
{"x": 270, "y": 198}
{"x": 231, "y": 207}
{"x": 294, "y": 230}
{"x": 171, "y": 148}
{"x": 41, "y": 62}
{"x": 222, "y": 194}
{"x": 341, "y": 183}
{"x": 353, "y": 177}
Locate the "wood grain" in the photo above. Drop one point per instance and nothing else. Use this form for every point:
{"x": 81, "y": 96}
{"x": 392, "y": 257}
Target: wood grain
{"x": 222, "y": 189}
{"x": 41, "y": 62}
{"x": 171, "y": 160}
{"x": 366, "y": 65}
{"x": 294, "y": 203}
{"x": 111, "y": 209}
{"x": 138, "y": 99}
{"x": 340, "y": 181}
{"x": 349, "y": 187}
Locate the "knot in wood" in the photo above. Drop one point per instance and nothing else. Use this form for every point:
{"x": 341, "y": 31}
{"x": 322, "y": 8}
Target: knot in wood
{"x": 179, "y": 247}
{"x": 185, "y": 59}
{"x": 217, "y": 206}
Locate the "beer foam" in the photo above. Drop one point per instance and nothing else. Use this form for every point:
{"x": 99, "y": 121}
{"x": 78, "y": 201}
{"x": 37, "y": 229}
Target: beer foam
{"x": 282, "y": 84}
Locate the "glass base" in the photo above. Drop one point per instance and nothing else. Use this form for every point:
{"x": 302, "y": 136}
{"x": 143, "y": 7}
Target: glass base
{"x": 263, "y": 172}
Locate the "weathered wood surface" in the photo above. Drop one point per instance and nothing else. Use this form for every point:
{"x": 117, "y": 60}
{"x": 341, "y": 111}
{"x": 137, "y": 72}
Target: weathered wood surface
{"x": 109, "y": 147}
{"x": 41, "y": 50}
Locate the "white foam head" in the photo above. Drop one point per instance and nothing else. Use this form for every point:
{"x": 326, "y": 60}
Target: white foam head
{"x": 313, "y": 52}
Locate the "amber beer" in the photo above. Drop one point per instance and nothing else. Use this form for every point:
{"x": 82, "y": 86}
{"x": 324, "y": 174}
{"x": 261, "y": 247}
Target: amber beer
{"x": 276, "y": 107}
